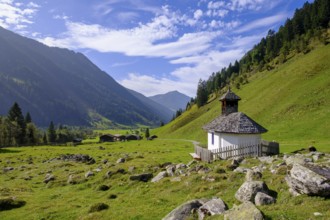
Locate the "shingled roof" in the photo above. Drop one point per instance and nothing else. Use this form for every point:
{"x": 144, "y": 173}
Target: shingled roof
{"x": 230, "y": 96}
{"x": 237, "y": 123}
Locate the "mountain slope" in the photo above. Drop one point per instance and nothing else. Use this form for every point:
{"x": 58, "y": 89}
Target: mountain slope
{"x": 164, "y": 113}
{"x": 173, "y": 100}
{"x": 291, "y": 101}
{"x": 63, "y": 86}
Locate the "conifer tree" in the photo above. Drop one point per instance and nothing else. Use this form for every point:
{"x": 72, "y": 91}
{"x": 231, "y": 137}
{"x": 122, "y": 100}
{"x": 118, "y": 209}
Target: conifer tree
{"x": 16, "y": 117}
{"x": 51, "y": 133}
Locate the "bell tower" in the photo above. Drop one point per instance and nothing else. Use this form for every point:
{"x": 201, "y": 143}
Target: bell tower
{"x": 229, "y": 102}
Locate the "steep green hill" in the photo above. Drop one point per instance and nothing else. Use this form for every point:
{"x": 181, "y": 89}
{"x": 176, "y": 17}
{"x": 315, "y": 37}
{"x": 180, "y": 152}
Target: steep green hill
{"x": 291, "y": 101}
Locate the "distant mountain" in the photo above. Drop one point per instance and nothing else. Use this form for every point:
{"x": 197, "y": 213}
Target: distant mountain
{"x": 173, "y": 100}
{"x": 164, "y": 113}
{"x": 63, "y": 86}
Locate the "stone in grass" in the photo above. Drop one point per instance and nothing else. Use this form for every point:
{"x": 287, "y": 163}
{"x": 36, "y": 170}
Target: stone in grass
{"x": 98, "y": 207}
{"x": 112, "y": 196}
{"x": 249, "y": 190}
{"x": 145, "y": 177}
{"x": 263, "y": 199}
{"x": 49, "y": 177}
{"x": 247, "y": 210}
{"x": 103, "y": 188}
{"x": 9, "y": 203}
{"x": 215, "y": 206}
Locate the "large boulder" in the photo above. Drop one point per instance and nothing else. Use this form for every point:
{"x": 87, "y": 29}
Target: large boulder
{"x": 312, "y": 180}
{"x": 249, "y": 190}
{"x": 185, "y": 210}
{"x": 212, "y": 207}
{"x": 245, "y": 211}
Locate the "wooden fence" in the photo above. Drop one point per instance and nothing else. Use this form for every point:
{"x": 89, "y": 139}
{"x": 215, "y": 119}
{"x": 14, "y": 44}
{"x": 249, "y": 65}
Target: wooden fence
{"x": 246, "y": 150}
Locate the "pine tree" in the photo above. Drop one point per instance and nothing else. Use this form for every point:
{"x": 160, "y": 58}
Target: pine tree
{"x": 147, "y": 134}
{"x": 28, "y": 118}
{"x": 51, "y": 133}
{"x": 15, "y": 115}
{"x": 202, "y": 95}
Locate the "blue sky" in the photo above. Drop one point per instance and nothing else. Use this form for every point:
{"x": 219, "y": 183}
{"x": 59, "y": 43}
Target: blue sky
{"x": 150, "y": 46}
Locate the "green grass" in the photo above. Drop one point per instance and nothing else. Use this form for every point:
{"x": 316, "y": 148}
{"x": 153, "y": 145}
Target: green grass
{"x": 135, "y": 200}
{"x": 291, "y": 101}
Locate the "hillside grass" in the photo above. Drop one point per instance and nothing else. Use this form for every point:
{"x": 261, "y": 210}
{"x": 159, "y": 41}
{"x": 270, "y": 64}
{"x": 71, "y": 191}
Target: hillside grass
{"x": 134, "y": 200}
{"x": 291, "y": 101}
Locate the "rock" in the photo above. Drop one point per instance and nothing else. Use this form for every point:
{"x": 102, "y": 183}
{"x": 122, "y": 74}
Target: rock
{"x": 73, "y": 179}
{"x": 49, "y": 177}
{"x": 297, "y": 159}
{"x": 241, "y": 170}
{"x": 98, "y": 169}
{"x": 266, "y": 159}
{"x": 131, "y": 169}
{"x": 247, "y": 210}
{"x": 212, "y": 207}
{"x": 191, "y": 163}
{"x": 233, "y": 165}
{"x": 105, "y": 161}
{"x": 249, "y": 190}
{"x": 89, "y": 174}
{"x": 312, "y": 180}
{"x": 165, "y": 164}
{"x": 170, "y": 169}
{"x": 103, "y": 188}
{"x": 263, "y": 199}
{"x": 159, "y": 176}
{"x": 184, "y": 211}
{"x": 252, "y": 175}
{"x": 121, "y": 160}
{"x": 145, "y": 177}
{"x": 84, "y": 158}
{"x": 98, "y": 207}
{"x": 6, "y": 169}
{"x": 204, "y": 170}
{"x": 108, "y": 174}
{"x": 317, "y": 214}
{"x": 121, "y": 170}
{"x": 312, "y": 149}
{"x": 176, "y": 179}
{"x": 10, "y": 203}
{"x": 180, "y": 166}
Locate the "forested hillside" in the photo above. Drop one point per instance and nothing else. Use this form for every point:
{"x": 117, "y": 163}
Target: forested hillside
{"x": 296, "y": 36}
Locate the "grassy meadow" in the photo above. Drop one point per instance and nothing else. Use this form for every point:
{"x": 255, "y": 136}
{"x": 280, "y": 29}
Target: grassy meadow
{"x": 129, "y": 199}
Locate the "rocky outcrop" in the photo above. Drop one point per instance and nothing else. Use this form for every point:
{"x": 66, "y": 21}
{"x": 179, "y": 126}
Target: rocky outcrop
{"x": 247, "y": 210}
{"x": 312, "y": 180}
{"x": 185, "y": 210}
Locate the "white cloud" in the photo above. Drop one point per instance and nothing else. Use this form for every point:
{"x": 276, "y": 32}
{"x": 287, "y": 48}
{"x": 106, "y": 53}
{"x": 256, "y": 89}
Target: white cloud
{"x": 263, "y": 22}
{"x": 198, "y": 14}
{"x": 16, "y": 15}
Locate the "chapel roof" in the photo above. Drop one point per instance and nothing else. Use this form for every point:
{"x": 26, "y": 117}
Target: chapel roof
{"x": 237, "y": 122}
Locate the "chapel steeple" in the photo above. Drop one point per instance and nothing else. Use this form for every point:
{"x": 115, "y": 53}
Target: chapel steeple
{"x": 229, "y": 102}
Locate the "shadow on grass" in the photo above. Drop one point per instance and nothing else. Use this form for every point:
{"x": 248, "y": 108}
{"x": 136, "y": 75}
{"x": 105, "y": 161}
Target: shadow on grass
{"x": 6, "y": 151}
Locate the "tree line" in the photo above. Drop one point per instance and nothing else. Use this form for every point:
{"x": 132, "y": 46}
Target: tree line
{"x": 19, "y": 130}
{"x": 308, "y": 23}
